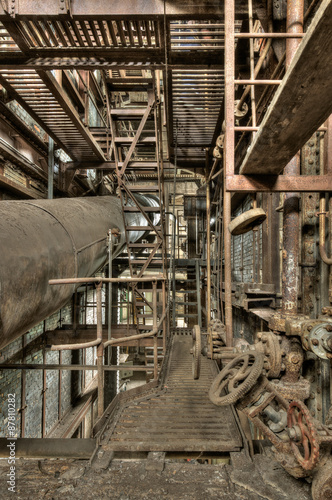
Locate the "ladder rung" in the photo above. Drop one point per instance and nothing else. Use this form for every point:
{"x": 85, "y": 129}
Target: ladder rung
{"x": 186, "y": 303}
{"x": 141, "y": 304}
{"x": 186, "y": 315}
{"x": 129, "y": 140}
{"x": 128, "y": 111}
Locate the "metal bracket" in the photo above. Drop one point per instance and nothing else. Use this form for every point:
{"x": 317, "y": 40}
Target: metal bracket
{"x": 64, "y": 7}
{"x": 9, "y": 6}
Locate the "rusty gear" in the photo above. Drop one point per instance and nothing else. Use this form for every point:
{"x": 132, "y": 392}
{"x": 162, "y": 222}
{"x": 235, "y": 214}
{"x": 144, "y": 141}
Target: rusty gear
{"x": 269, "y": 345}
{"x": 302, "y": 433}
{"x": 238, "y": 377}
{"x": 216, "y": 337}
{"x": 196, "y": 351}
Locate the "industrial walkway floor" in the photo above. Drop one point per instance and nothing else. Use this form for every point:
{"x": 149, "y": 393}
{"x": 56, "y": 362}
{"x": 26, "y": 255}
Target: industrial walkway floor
{"x": 178, "y": 416}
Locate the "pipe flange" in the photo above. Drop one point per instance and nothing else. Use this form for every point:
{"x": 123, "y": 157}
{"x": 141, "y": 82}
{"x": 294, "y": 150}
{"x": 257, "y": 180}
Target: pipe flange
{"x": 240, "y": 113}
{"x": 220, "y": 141}
{"x": 217, "y": 153}
{"x": 319, "y": 340}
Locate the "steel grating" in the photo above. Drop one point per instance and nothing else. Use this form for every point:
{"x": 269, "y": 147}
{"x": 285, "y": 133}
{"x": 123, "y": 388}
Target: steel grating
{"x": 30, "y": 89}
{"x": 179, "y": 416}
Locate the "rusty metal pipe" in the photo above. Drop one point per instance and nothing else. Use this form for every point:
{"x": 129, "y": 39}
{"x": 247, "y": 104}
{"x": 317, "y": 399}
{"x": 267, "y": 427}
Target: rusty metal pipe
{"x": 291, "y": 220}
{"x": 46, "y": 239}
{"x": 322, "y": 228}
{"x": 139, "y": 335}
{"x": 93, "y": 343}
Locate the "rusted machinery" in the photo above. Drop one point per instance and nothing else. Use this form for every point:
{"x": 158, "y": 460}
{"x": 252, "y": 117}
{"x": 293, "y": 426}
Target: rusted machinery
{"x": 46, "y": 239}
{"x": 264, "y": 382}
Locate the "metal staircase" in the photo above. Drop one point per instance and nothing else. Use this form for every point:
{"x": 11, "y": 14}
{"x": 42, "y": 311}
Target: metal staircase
{"x": 132, "y": 131}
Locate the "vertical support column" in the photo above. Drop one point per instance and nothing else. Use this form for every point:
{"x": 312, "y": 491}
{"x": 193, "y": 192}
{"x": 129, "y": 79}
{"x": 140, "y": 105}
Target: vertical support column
{"x": 44, "y": 388}
{"x": 50, "y": 168}
{"x": 60, "y": 387}
{"x": 198, "y": 293}
{"x": 228, "y": 159}
{"x": 164, "y": 322}
{"x": 155, "y": 338}
{"x": 23, "y": 386}
{"x": 100, "y": 353}
{"x": 290, "y": 254}
{"x": 208, "y": 256}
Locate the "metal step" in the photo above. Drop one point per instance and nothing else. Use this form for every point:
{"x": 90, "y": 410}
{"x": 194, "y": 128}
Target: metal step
{"x": 129, "y": 140}
{"x": 185, "y": 303}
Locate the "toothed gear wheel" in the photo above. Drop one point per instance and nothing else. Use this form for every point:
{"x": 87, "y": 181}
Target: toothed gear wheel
{"x": 196, "y": 351}
{"x": 237, "y": 378}
{"x": 303, "y": 435}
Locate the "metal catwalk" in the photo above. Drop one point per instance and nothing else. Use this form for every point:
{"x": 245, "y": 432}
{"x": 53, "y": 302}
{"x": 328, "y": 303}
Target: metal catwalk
{"x": 178, "y": 416}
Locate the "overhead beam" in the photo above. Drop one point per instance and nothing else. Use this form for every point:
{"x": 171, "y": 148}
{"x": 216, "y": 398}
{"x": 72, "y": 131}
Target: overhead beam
{"x": 13, "y": 155}
{"x": 278, "y": 183}
{"x": 18, "y": 189}
{"x": 19, "y": 125}
{"x": 302, "y": 102}
{"x": 117, "y": 61}
{"x": 123, "y": 9}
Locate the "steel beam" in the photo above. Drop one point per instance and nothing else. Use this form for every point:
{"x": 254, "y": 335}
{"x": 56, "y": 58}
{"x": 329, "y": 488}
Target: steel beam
{"x": 278, "y": 183}
{"x": 122, "y": 9}
{"x": 302, "y": 102}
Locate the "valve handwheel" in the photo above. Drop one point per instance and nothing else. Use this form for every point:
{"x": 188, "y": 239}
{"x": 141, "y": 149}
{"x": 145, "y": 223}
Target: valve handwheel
{"x": 303, "y": 435}
{"x": 196, "y": 351}
{"x": 237, "y": 378}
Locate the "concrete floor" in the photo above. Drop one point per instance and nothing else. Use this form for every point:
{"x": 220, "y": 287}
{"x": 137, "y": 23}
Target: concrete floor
{"x": 134, "y": 480}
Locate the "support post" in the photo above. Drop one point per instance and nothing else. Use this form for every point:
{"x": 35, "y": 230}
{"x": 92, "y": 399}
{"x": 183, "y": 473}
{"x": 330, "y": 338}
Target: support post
{"x": 228, "y": 159}
{"x": 50, "y": 168}
{"x": 198, "y": 293}
{"x": 155, "y": 339}
{"x": 208, "y": 256}
{"x": 100, "y": 353}
{"x": 291, "y": 220}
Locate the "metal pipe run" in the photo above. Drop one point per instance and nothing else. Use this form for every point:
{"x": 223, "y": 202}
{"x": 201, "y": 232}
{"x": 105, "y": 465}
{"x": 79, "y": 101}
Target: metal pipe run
{"x": 322, "y": 230}
{"x": 290, "y": 254}
{"x": 46, "y": 239}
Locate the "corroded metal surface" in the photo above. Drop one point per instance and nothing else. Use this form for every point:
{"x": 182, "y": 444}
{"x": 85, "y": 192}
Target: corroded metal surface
{"x": 179, "y": 416}
{"x": 52, "y": 239}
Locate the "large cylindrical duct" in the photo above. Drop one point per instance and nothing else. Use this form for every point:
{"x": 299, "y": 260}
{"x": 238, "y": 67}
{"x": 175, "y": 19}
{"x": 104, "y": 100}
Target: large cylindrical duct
{"x": 41, "y": 240}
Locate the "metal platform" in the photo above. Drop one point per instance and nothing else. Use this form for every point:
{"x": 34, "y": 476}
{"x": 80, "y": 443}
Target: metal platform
{"x": 178, "y": 416}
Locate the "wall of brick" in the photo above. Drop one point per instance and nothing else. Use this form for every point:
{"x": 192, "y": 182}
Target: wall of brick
{"x": 11, "y": 381}
{"x": 242, "y": 249}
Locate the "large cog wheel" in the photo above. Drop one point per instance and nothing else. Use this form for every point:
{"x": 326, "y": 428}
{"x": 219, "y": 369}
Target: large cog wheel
{"x": 303, "y": 435}
{"x": 196, "y": 351}
{"x": 237, "y": 378}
